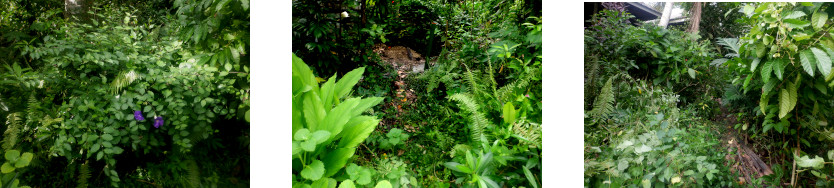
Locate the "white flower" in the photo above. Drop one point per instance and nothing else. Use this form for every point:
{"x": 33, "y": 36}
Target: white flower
{"x": 40, "y": 84}
{"x": 676, "y": 179}
{"x": 345, "y": 14}
{"x": 117, "y": 96}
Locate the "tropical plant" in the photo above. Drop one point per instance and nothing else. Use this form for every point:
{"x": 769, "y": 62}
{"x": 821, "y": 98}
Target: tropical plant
{"x": 326, "y": 129}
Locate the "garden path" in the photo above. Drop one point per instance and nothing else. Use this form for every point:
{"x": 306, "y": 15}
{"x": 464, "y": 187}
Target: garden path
{"x": 743, "y": 161}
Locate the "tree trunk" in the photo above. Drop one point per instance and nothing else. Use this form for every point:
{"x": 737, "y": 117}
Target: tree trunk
{"x": 694, "y": 17}
{"x": 667, "y": 12}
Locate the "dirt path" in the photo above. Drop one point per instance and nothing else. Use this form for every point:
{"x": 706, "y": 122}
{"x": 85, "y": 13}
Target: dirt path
{"x": 743, "y": 161}
{"x": 405, "y": 61}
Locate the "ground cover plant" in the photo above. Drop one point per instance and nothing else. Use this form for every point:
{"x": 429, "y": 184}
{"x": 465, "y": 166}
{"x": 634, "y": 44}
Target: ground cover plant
{"x": 125, "y": 94}
{"x": 455, "y": 89}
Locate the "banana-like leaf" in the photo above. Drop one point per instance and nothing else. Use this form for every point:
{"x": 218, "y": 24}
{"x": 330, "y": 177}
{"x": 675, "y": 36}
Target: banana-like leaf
{"x": 344, "y": 85}
{"x": 336, "y": 160}
{"x": 356, "y": 130}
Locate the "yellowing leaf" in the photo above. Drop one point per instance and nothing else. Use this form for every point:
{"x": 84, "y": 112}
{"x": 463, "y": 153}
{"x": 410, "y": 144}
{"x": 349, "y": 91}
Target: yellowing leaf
{"x": 676, "y": 179}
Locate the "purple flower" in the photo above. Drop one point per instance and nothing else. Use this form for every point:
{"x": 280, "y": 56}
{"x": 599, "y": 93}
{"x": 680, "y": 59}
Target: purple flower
{"x": 158, "y": 122}
{"x": 138, "y": 115}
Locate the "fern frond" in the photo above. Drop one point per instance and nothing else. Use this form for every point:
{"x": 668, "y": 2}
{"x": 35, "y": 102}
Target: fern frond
{"x": 13, "y": 125}
{"x": 32, "y": 115}
{"x": 604, "y": 103}
{"x": 193, "y": 173}
{"x": 123, "y": 79}
{"x": 505, "y": 93}
{"x": 478, "y": 122}
{"x": 83, "y": 175}
{"x": 530, "y": 132}
{"x": 730, "y": 43}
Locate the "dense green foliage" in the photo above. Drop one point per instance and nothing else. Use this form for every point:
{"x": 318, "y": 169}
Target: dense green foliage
{"x": 787, "y": 56}
{"x": 480, "y": 93}
{"x": 772, "y": 76}
{"x": 118, "y": 98}
{"x": 648, "y": 99}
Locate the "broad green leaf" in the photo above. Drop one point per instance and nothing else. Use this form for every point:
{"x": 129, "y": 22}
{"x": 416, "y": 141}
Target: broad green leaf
{"x": 235, "y": 55}
{"x": 779, "y": 68}
{"x": 509, "y": 113}
{"x": 353, "y": 171}
{"x": 305, "y": 75}
{"x": 12, "y": 155}
{"x": 801, "y": 36}
{"x": 383, "y": 184}
{"x": 356, "y": 130}
{"x": 344, "y": 85}
{"x": 95, "y": 148}
{"x": 365, "y": 104}
{"x": 823, "y": 61}
{"x": 646, "y": 183}
{"x": 767, "y": 69}
{"x": 326, "y": 94}
{"x": 24, "y": 160}
{"x": 691, "y": 72}
{"x": 763, "y": 101}
{"x": 6, "y": 168}
{"x": 794, "y": 15}
{"x": 622, "y": 165}
{"x": 755, "y": 64}
{"x": 335, "y": 120}
{"x": 760, "y": 50}
{"x": 302, "y": 134}
{"x": 767, "y": 127}
{"x": 325, "y": 183}
{"x": 365, "y": 177}
{"x": 107, "y": 137}
{"x": 347, "y": 184}
{"x": 456, "y": 167}
{"x": 808, "y": 61}
{"x": 296, "y": 147}
{"x": 818, "y": 19}
{"x": 320, "y": 136}
{"x": 308, "y": 145}
{"x": 795, "y": 23}
{"x": 313, "y": 171}
{"x": 784, "y": 103}
{"x": 642, "y": 149}
{"x": 530, "y": 178}
{"x": 313, "y": 110}
{"x": 831, "y": 154}
{"x": 337, "y": 159}
{"x": 625, "y": 144}
{"x": 816, "y": 163}
{"x": 767, "y": 39}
